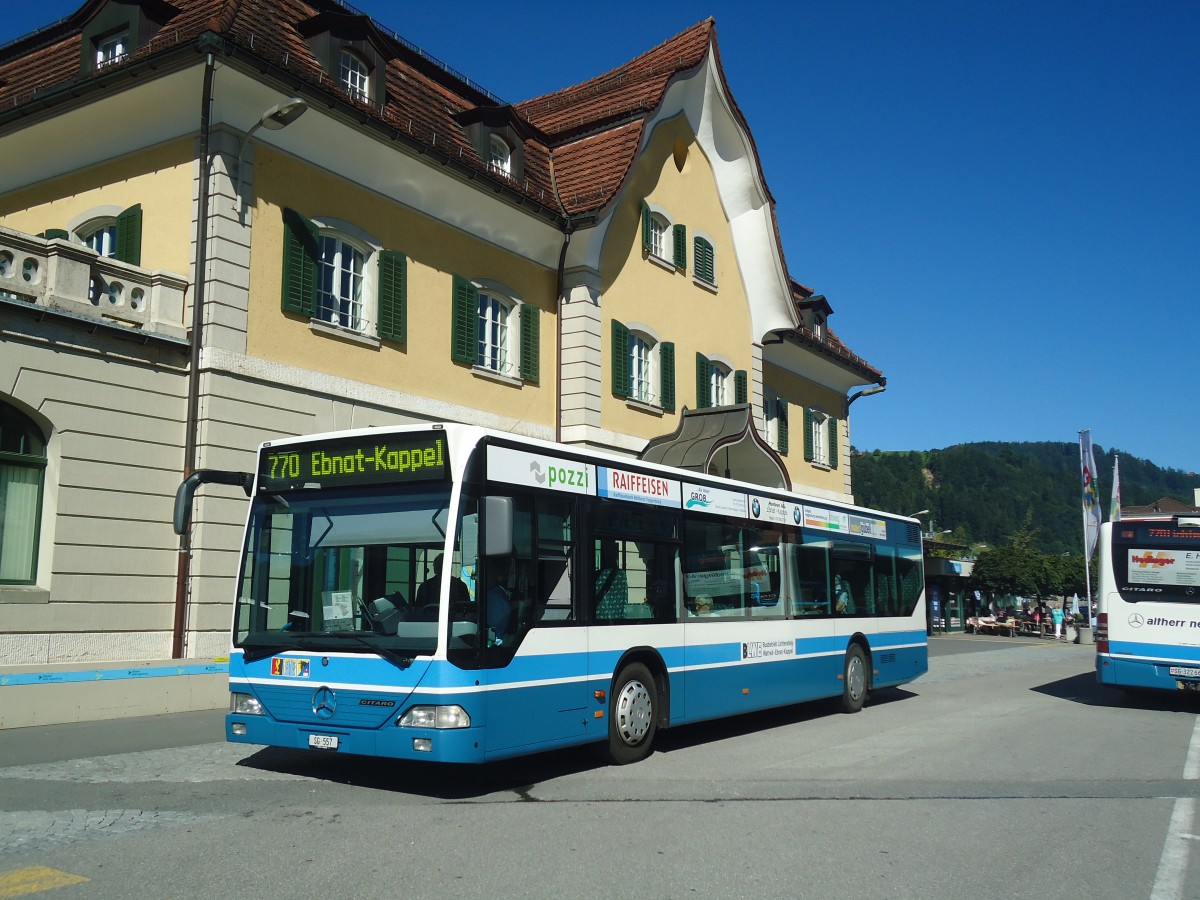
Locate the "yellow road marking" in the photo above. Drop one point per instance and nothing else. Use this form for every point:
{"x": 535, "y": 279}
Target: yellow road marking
{"x": 34, "y": 879}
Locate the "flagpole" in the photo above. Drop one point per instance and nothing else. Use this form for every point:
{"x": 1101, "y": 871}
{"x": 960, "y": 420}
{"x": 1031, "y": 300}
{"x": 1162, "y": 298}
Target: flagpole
{"x": 1087, "y": 557}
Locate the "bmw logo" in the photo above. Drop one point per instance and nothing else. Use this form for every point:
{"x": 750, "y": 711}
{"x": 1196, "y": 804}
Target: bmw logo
{"x": 755, "y": 508}
{"x": 796, "y": 517}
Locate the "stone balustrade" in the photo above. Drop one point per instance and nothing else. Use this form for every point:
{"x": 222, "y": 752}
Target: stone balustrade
{"x": 59, "y": 274}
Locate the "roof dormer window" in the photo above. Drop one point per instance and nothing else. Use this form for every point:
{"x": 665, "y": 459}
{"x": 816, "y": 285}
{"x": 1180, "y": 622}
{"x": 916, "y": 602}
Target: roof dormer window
{"x": 354, "y": 76}
{"x": 499, "y": 156}
{"x": 352, "y": 52}
{"x": 111, "y": 49}
{"x": 118, "y": 28}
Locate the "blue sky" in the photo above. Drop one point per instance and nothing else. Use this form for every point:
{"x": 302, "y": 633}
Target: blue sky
{"x": 1001, "y": 200}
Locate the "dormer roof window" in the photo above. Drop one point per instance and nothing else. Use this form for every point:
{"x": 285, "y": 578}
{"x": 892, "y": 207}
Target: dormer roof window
{"x": 118, "y": 28}
{"x": 112, "y": 48}
{"x": 499, "y": 156}
{"x": 498, "y": 134}
{"x": 352, "y": 52}
{"x": 354, "y": 76}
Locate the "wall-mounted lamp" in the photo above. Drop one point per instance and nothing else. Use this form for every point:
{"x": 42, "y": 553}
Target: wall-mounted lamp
{"x": 281, "y": 115}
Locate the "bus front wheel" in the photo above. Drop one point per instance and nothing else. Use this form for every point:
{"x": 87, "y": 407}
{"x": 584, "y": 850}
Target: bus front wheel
{"x": 632, "y": 715}
{"x": 854, "y": 680}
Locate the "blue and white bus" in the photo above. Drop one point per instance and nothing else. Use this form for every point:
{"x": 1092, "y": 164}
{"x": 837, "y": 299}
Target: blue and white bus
{"x": 1148, "y": 603}
{"x": 453, "y": 594}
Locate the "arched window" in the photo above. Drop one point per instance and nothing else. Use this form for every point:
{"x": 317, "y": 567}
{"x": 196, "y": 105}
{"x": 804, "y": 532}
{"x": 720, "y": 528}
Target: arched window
{"x": 340, "y": 283}
{"x": 354, "y": 76}
{"x": 719, "y": 393}
{"x": 336, "y": 273}
{"x": 494, "y": 348}
{"x": 641, "y": 368}
{"x": 499, "y": 155}
{"x": 22, "y": 467}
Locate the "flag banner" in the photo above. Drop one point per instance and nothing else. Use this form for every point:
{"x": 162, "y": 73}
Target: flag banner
{"x": 1091, "y": 498}
{"x": 1114, "y": 508}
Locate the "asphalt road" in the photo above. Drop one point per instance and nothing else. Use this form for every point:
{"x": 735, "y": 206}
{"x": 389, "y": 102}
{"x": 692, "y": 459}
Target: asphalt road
{"x": 1005, "y": 772}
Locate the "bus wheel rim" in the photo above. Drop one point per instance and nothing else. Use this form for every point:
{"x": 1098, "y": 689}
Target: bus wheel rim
{"x": 856, "y": 677}
{"x": 634, "y": 712}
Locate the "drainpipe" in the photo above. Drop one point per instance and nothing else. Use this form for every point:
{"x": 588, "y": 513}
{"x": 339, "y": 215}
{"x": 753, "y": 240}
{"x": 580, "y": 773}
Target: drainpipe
{"x": 184, "y": 564}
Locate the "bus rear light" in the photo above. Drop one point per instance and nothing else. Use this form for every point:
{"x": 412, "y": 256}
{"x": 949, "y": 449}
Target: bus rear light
{"x": 1102, "y": 633}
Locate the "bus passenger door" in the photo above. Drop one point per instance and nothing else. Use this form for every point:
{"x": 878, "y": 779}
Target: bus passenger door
{"x": 537, "y": 688}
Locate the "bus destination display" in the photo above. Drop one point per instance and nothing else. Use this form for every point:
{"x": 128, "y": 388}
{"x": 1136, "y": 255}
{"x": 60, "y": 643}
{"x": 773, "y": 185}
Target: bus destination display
{"x": 369, "y": 459}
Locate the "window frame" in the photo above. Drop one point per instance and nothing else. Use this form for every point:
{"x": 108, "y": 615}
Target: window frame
{"x": 118, "y": 40}
{"x": 499, "y": 163}
{"x": 522, "y": 330}
{"x": 820, "y": 438}
{"x": 37, "y": 459}
{"x": 356, "y": 80}
{"x": 335, "y": 265}
{"x": 658, "y": 376}
{"x": 495, "y": 353}
{"x": 383, "y": 286}
{"x": 704, "y": 261}
{"x": 664, "y": 241}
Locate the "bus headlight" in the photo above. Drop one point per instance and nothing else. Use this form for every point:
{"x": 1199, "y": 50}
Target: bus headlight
{"x": 244, "y": 704}
{"x": 435, "y": 717}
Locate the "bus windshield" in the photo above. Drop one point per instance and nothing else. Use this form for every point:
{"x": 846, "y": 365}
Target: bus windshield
{"x": 1156, "y": 559}
{"x": 340, "y": 570}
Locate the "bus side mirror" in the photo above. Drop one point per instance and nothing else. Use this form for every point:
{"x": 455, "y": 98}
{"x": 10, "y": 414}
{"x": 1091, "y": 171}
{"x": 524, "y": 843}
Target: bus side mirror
{"x": 497, "y": 526}
{"x": 187, "y": 490}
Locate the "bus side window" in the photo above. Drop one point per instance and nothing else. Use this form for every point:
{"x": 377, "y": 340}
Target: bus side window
{"x": 810, "y": 563}
{"x": 555, "y": 543}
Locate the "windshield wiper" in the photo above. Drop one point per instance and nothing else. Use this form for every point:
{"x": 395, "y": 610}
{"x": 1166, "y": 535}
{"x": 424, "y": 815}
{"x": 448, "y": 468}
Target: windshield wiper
{"x": 269, "y": 647}
{"x": 392, "y": 656}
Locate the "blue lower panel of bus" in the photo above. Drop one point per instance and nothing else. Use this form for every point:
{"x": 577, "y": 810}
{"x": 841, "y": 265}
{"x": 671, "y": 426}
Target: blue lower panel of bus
{"x": 1134, "y": 665}
{"x": 540, "y": 703}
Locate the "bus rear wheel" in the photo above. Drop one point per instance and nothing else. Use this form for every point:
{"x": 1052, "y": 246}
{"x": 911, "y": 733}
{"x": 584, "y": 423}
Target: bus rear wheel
{"x": 854, "y": 680}
{"x": 632, "y": 715}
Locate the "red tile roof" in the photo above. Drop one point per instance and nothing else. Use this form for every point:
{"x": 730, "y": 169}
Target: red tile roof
{"x": 583, "y": 139}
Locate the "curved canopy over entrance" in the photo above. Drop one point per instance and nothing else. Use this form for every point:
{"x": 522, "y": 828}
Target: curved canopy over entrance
{"x": 720, "y": 440}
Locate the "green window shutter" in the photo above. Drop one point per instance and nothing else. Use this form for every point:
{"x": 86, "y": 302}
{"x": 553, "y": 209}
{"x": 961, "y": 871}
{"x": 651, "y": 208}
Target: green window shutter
{"x": 679, "y": 232}
{"x": 781, "y": 424}
{"x": 703, "y": 376}
{"x": 393, "y": 296}
{"x": 702, "y": 261}
{"x": 647, "y": 239}
{"x": 620, "y": 359}
{"x": 463, "y": 323}
{"x": 52, "y": 233}
{"x": 129, "y": 235}
{"x": 530, "y": 342}
{"x": 833, "y": 442}
{"x": 808, "y": 441}
{"x": 666, "y": 375}
{"x": 741, "y": 389}
{"x": 300, "y": 239}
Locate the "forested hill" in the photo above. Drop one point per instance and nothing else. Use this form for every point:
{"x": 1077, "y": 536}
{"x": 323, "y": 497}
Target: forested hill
{"x": 985, "y": 492}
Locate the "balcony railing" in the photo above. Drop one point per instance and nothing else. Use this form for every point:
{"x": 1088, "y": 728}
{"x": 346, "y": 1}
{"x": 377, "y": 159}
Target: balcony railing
{"x": 60, "y": 275}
